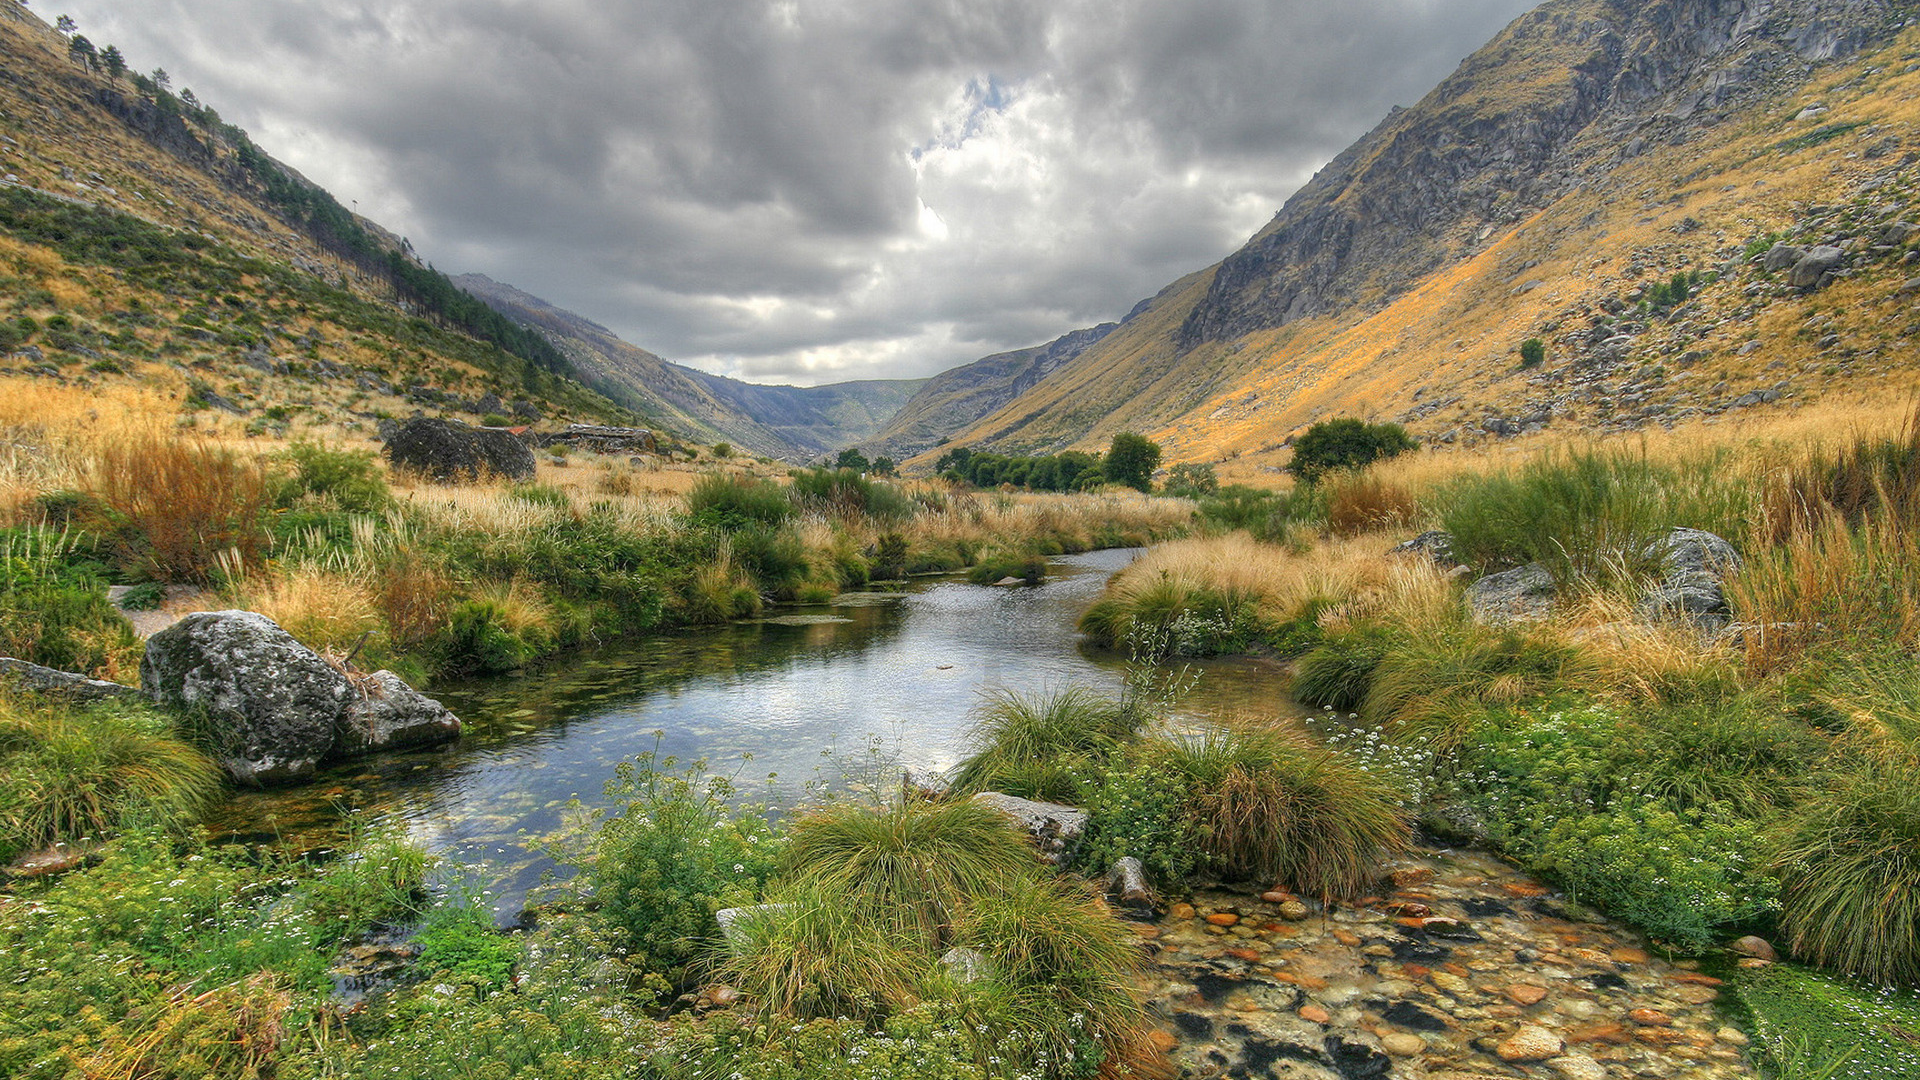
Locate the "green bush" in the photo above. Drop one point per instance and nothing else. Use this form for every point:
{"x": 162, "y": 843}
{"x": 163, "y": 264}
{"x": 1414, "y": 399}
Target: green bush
{"x": 459, "y": 942}
{"x": 1850, "y": 875}
{"x": 1135, "y": 807}
{"x": 733, "y": 503}
{"x": 847, "y": 493}
{"x": 1533, "y": 352}
{"x": 1189, "y": 480}
{"x": 351, "y": 479}
{"x": 673, "y": 850}
{"x": 478, "y": 640}
{"x": 54, "y": 609}
{"x": 1346, "y": 443}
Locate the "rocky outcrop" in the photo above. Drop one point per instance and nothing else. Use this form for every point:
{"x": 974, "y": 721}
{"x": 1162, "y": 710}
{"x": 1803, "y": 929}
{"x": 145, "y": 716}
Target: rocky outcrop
{"x": 603, "y": 439}
{"x": 452, "y": 452}
{"x": 1434, "y": 545}
{"x": 274, "y": 709}
{"x": 25, "y": 676}
{"x": 1431, "y": 184}
{"x": 1523, "y": 594}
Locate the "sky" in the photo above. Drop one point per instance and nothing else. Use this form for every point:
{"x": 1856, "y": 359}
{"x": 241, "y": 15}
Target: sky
{"x": 809, "y": 191}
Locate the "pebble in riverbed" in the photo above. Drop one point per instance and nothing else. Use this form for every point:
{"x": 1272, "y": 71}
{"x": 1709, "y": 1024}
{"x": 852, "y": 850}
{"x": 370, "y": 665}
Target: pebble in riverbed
{"x": 1465, "y": 968}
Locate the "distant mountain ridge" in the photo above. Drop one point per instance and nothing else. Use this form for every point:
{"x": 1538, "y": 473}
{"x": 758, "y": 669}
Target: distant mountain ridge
{"x": 798, "y": 423}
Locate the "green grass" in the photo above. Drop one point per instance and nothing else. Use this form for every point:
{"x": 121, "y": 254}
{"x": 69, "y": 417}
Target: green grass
{"x": 1850, "y": 875}
{"x": 70, "y": 773}
{"x": 1274, "y": 806}
{"x": 1038, "y": 746}
{"x": 1810, "y": 1025}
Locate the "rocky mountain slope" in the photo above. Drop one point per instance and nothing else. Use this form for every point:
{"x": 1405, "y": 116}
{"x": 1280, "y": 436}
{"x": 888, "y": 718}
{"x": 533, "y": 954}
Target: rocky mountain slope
{"x": 797, "y": 423}
{"x": 1593, "y": 150}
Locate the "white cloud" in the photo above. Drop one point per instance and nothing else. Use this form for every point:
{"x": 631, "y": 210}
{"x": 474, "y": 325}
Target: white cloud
{"x": 810, "y": 190}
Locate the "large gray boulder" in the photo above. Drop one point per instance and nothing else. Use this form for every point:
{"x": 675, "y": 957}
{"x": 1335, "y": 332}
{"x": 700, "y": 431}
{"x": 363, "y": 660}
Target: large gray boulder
{"x": 1812, "y": 269}
{"x": 1524, "y": 594}
{"x": 384, "y": 713}
{"x": 1693, "y": 565}
{"x": 453, "y": 452}
{"x": 269, "y": 703}
{"x": 274, "y": 709}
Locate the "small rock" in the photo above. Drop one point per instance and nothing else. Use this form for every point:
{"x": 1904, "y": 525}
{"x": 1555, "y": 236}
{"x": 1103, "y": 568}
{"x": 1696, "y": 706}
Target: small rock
{"x": 1650, "y": 1018}
{"x": 1530, "y": 1043}
{"x": 1525, "y": 994}
{"x": 1276, "y": 896}
{"x": 1223, "y": 918}
{"x": 1294, "y": 911}
{"x": 1524, "y": 594}
{"x": 1315, "y": 1014}
{"x": 1180, "y": 911}
{"x": 1578, "y": 1067}
{"x": 1127, "y": 882}
{"x": 1408, "y": 877}
{"x": 1756, "y": 947}
{"x": 1402, "y": 1044}
{"x": 1732, "y": 1036}
{"x": 1695, "y": 994}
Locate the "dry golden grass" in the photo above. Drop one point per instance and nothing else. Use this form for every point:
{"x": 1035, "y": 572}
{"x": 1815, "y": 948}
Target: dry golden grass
{"x": 1278, "y": 580}
{"x": 322, "y": 609}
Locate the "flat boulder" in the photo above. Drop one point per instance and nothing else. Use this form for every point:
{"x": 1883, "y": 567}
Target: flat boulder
{"x": 76, "y": 687}
{"x": 1056, "y": 829}
{"x": 1523, "y": 594}
{"x": 452, "y": 452}
{"x": 384, "y": 713}
{"x": 270, "y": 703}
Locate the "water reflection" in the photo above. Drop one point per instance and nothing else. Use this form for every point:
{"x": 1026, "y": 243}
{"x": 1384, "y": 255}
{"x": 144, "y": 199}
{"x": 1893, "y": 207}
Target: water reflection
{"x": 874, "y": 682}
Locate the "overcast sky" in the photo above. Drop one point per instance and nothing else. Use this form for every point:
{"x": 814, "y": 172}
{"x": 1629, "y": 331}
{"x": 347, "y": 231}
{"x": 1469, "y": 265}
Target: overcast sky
{"x": 809, "y": 190}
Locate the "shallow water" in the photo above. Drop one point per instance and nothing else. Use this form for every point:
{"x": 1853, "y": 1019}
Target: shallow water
{"x": 838, "y": 693}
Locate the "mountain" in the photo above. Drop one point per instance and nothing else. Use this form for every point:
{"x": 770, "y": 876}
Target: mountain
{"x": 954, "y": 399}
{"x": 798, "y": 423}
{"x": 1591, "y": 151}
{"x": 148, "y": 243}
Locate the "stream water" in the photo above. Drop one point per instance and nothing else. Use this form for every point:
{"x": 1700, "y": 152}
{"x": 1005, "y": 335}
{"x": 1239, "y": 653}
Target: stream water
{"x": 845, "y": 692}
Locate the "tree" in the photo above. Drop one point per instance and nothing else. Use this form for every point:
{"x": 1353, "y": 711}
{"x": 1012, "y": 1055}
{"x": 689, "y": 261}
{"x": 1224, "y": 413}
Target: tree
{"x": 65, "y": 24}
{"x": 1533, "y": 352}
{"x": 1346, "y": 443}
{"x": 852, "y": 458}
{"x": 885, "y": 466}
{"x": 1131, "y": 460}
{"x": 188, "y": 97}
{"x": 80, "y": 51}
{"x": 116, "y": 64}
{"x": 161, "y": 79}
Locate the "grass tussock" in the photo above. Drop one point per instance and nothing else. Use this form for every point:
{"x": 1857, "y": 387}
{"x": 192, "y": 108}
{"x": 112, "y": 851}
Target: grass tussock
{"x": 1850, "y": 876}
{"x": 1044, "y": 746}
{"x": 178, "y": 509}
{"x": 69, "y": 773}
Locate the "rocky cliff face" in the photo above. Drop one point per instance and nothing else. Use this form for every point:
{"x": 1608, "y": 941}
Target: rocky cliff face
{"x": 1566, "y": 92}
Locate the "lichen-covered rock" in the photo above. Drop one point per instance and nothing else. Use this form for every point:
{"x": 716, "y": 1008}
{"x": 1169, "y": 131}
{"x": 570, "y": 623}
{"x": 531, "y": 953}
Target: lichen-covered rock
{"x": 1056, "y": 829}
{"x": 1693, "y": 564}
{"x": 270, "y": 704}
{"x": 453, "y": 452}
{"x": 25, "y": 676}
{"x": 1812, "y": 271}
{"x": 1524, "y": 594}
{"x": 384, "y": 713}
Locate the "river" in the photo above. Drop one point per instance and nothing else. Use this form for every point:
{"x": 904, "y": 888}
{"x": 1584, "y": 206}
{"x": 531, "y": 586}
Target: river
{"x": 834, "y": 694}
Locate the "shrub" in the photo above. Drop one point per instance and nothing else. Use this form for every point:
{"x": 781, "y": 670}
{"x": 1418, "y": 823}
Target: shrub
{"x": 1533, "y": 352}
{"x": 1850, "y": 876}
{"x": 1053, "y": 737}
{"x": 1189, "y": 480}
{"x": 1135, "y": 807}
{"x": 722, "y": 450}
{"x": 54, "y": 608}
{"x": 1345, "y": 443}
{"x": 177, "y": 507}
{"x": 846, "y": 493}
{"x": 909, "y": 868}
{"x": 1273, "y": 805}
{"x": 672, "y": 851}
{"x": 1361, "y": 502}
{"x": 733, "y": 503}
{"x": 350, "y": 479}
{"x": 459, "y": 942}
{"x": 68, "y": 772}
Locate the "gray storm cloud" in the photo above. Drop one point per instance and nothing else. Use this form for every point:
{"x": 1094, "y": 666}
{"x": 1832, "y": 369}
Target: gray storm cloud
{"x": 811, "y": 190}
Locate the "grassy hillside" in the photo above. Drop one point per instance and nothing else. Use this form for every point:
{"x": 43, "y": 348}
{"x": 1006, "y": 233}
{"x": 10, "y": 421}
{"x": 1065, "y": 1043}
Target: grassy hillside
{"x": 143, "y": 241}
{"x": 1813, "y": 154}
